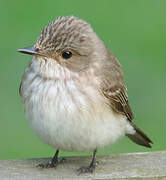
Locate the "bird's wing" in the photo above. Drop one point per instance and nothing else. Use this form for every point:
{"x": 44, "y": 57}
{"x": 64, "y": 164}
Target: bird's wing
{"x": 117, "y": 98}
{"x": 113, "y": 87}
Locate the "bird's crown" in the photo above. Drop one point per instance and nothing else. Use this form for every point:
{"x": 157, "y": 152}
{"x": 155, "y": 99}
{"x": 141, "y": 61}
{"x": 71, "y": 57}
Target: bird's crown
{"x": 65, "y": 33}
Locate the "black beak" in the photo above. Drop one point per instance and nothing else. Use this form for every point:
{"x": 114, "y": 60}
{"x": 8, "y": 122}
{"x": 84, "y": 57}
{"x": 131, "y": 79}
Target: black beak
{"x": 30, "y": 50}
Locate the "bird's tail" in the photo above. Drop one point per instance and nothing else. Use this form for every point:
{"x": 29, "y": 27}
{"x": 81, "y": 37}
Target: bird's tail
{"x": 139, "y": 137}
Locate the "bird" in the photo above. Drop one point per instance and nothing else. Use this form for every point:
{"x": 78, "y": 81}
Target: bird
{"x": 73, "y": 92}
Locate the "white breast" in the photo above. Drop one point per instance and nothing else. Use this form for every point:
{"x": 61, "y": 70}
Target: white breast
{"x": 68, "y": 118}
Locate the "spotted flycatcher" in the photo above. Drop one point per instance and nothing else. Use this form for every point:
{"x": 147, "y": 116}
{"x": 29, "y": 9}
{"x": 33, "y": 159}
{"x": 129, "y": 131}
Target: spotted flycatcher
{"x": 74, "y": 93}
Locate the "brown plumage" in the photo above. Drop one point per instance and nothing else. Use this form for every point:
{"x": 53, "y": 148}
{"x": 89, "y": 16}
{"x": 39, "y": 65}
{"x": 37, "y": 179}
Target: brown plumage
{"x": 114, "y": 89}
{"x": 74, "y": 92}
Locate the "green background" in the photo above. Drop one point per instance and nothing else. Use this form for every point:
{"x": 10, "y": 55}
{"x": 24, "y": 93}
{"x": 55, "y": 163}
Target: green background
{"x": 136, "y": 33}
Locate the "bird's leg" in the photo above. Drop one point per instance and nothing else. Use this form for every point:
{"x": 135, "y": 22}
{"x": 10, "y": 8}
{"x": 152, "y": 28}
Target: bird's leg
{"x": 91, "y": 167}
{"x": 52, "y": 163}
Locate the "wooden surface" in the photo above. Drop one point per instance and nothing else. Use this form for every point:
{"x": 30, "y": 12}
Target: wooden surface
{"x": 145, "y": 165}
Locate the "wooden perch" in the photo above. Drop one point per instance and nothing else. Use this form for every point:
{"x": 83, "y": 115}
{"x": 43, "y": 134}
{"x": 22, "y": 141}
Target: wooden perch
{"x": 143, "y": 165}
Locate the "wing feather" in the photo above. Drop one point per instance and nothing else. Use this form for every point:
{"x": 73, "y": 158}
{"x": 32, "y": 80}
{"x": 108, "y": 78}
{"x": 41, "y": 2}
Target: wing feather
{"x": 113, "y": 88}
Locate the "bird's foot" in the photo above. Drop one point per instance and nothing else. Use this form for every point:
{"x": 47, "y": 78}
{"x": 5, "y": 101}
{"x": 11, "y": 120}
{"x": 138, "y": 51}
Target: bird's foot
{"x": 87, "y": 169}
{"x": 51, "y": 164}
{"x": 47, "y": 165}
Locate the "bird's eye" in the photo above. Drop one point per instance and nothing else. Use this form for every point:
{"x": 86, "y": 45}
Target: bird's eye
{"x": 67, "y": 55}
{"x": 37, "y": 49}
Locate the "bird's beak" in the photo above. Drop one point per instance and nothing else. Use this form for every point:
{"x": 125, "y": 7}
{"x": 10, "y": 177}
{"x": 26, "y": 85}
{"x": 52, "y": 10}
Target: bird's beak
{"x": 30, "y": 50}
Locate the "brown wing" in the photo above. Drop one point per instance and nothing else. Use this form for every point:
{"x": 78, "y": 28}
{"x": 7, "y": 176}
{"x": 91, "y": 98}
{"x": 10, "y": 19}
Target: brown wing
{"x": 114, "y": 89}
{"x": 118, "y": 101}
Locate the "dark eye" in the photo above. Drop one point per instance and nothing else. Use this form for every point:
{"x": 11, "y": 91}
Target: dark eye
{"x": 66, "y": 54}
{"x": 37, "y": 49}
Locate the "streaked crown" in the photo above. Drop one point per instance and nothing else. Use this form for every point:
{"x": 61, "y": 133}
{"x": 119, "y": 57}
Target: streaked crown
{"x": 66, "y": 33}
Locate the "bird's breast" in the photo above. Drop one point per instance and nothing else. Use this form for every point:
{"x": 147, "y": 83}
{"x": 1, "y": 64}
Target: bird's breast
{"x": 68, "y": 115}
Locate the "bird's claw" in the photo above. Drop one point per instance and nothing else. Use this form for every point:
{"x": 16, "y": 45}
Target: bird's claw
{"x": 87, "y": 169}
{"x": 47, "y": 165}
{"x": 51, "y": 164}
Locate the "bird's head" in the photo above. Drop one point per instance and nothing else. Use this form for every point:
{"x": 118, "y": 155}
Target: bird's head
{"x": 68, "y": 41}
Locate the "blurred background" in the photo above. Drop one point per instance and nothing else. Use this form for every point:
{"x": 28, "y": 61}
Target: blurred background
{"x": 135, "y": 31}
